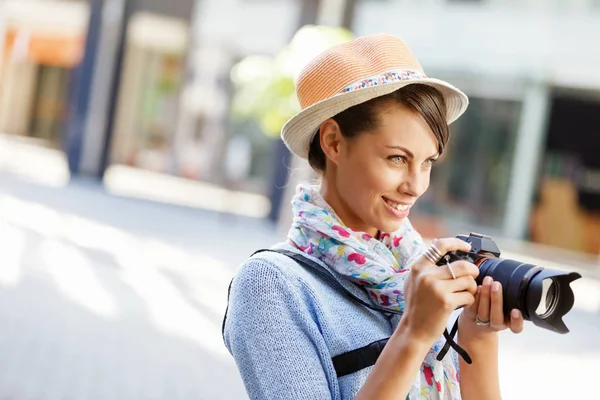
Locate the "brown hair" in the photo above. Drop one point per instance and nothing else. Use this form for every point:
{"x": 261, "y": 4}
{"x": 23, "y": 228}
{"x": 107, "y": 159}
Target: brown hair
{"x": 363, "y": 117}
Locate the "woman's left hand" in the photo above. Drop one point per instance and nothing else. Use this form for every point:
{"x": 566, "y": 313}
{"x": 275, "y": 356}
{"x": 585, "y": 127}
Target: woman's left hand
{"x": 488, "y": 311}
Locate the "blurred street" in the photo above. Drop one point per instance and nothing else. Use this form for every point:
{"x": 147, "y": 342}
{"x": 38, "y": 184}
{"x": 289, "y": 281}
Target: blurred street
{"x": 111, "y": 298}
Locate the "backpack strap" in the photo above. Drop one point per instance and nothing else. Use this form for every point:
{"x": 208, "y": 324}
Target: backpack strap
{"x": 358, "y": 359}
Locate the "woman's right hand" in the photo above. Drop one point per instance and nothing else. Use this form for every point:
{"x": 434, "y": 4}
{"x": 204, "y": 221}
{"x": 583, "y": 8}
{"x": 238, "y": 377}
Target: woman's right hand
{"x": 432, "y": 294}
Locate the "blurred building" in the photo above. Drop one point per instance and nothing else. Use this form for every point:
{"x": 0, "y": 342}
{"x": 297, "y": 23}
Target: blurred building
{"x": 153, "y": 91}
{"x": 42, "y": 42}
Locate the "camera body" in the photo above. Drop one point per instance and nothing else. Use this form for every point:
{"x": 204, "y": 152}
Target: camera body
{"x": 482, "y": 248}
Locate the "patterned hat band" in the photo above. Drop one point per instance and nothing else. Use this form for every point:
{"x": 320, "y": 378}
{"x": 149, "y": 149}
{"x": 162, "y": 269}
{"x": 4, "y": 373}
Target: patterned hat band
{"x": 383, "y": 79}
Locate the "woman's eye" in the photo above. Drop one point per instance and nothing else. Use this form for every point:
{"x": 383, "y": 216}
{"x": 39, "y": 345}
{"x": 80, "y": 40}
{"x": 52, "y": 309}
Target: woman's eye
{"x": 397, "y": 159}
{"x": 431, "y": 161}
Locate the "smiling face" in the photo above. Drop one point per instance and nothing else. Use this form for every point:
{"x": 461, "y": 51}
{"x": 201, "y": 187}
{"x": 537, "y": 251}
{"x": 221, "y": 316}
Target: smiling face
{"x": 372, "y": 179}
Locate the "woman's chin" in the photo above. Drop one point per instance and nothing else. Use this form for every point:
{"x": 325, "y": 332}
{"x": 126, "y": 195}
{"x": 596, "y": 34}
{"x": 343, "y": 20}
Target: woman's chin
{"x": 390, "y": 226}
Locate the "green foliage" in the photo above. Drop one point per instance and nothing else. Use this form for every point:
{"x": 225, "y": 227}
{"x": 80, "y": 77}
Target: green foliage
{"x": 265, "y": 86}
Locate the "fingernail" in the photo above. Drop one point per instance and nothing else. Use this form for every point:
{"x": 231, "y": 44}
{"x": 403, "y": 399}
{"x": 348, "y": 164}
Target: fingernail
{"x": 496, "y": 286}
{"x": 487, "y": 280}
{"x": 478, "y": 289}
{"x": 515, "y": 313}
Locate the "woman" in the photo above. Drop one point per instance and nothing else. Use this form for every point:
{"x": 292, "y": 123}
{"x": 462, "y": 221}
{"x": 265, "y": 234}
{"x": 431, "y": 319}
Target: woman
{"x": 372, "y": 125}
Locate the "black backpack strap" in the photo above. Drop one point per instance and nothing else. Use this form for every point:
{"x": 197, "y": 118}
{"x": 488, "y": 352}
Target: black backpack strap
{"x": 358, "y": 359}
{"x": 226, "y": 309}
{"x": 355, "y": 360}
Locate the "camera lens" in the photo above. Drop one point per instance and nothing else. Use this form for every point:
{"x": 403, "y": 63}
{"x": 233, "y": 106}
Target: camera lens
{"x": 543, "y": 295}
{"x": 550, "y": 298}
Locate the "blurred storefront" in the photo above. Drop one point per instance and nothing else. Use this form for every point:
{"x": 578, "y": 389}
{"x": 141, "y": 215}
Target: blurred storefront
{"x": 148, "y": 98}
{"x": 566, "y": 210}
{"x": 173, "y": 107}
{"x": 42, "y": 43}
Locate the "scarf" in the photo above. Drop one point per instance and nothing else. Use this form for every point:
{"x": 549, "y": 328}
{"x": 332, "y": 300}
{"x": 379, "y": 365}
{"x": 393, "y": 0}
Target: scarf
{"x": 381, "y": 266}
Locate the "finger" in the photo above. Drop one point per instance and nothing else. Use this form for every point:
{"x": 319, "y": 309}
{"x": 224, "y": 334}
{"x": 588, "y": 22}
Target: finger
{"x": 440, "y": 248}
{"x": 516, "y": 321}
{"x": 465, "y": 268}
{"x": 471, "y": 311}
{"x": 483, "y": 310}
{"x": 460, "y": 268}
{"x": 496, "y": 309}
{"x": 446, "y": 245}
{"x": 464, "y": 283}
{"x": 461, "y": 299}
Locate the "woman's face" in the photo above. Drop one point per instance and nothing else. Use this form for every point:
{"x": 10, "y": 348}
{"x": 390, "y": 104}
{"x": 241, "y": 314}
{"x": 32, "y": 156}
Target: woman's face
{"x": 379, "y": 175}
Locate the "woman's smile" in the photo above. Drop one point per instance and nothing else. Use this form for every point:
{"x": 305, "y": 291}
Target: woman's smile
{"x": 399, "y": 210}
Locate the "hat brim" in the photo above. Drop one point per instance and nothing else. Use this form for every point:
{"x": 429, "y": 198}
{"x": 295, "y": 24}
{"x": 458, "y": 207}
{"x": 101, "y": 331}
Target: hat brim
{"x": 298, "y": 131}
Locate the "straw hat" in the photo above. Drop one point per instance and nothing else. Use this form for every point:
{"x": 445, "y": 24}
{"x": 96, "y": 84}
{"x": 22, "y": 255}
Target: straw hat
{"x": 352, "y": 73}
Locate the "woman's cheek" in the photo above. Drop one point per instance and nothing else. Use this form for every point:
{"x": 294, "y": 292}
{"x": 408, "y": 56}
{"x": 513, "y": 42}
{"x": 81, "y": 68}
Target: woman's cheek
{"x": 426, "y": 180}
{"x": 387, "y": 179}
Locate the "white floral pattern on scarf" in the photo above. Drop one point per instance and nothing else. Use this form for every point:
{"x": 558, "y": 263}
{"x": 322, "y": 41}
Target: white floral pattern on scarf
{"x": 381, "y": 266}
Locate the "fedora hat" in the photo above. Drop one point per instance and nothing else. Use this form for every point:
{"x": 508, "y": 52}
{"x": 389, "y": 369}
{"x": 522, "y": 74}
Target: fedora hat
{"x": 352, "y": 73}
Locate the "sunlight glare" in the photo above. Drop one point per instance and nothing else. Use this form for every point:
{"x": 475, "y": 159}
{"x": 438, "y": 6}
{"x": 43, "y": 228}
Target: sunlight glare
{"x": 74, "y": 275}
{"x": 12, "y": 245}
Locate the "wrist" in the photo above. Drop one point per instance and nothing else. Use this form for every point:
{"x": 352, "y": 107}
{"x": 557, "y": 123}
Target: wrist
{"x": 419, "y": 340}
{"x": 471, "y": 335}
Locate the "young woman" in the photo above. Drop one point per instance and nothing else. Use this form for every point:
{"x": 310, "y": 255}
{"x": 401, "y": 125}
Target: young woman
{"x": 372, "y": 125}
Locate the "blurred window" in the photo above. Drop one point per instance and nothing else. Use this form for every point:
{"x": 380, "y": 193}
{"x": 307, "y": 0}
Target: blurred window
{"x": 566, "y": 211}
{"x": 151, "y": 81}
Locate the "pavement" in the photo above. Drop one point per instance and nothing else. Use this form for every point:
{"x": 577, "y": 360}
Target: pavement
{"x": 107, "y": 297}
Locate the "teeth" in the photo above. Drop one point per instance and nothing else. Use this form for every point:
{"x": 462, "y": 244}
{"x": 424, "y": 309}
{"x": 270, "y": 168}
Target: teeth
{"x": 400, "y": 207}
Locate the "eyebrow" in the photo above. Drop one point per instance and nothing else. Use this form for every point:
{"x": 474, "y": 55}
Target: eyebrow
{"x": 408, "y": 152}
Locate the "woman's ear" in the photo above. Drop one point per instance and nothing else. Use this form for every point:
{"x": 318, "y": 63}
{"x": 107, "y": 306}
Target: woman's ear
{"x": 331, "y": 138}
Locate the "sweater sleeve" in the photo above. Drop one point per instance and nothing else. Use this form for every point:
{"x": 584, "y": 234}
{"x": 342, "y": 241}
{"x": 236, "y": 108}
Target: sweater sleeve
{"x": 274, "y": 338}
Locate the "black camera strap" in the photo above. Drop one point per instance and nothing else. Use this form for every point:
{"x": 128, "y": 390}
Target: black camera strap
{"x": 364, "y": 357}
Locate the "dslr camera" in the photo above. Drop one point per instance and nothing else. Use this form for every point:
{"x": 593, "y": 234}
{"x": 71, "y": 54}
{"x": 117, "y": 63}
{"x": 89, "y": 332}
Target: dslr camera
{"x": 543, "y": 295}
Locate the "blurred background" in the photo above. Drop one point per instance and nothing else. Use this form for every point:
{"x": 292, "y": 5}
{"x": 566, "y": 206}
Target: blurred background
{"x": 140, "y": 164}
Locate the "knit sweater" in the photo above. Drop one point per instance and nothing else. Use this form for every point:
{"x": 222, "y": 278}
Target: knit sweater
{"x": 285, "y": 323}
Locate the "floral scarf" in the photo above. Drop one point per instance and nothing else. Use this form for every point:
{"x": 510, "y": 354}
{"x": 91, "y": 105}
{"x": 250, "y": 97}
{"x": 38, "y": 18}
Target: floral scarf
{"x": 381, "y": 266}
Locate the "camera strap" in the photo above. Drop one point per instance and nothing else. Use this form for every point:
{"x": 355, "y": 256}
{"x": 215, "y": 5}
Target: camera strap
{"x": 366, "y": 356}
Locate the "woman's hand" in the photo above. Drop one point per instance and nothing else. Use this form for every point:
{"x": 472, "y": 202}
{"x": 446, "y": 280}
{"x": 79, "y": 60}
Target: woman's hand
{"x": 432, "y": 293}
{"x": 488, "y": 308}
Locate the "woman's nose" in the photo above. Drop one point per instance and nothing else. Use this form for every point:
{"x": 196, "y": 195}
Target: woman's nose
{"x": 413, "y": 184}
